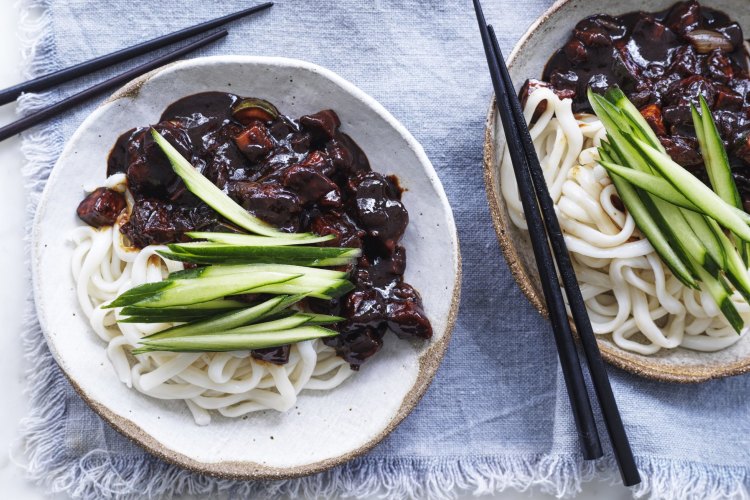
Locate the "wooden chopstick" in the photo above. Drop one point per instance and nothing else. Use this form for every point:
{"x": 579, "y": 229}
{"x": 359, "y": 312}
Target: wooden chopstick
{"x": 33, "y": 119}
{"x": 575, "y": 383}
{"x": 44, "y": 82}
{"x": 597, "y": 370}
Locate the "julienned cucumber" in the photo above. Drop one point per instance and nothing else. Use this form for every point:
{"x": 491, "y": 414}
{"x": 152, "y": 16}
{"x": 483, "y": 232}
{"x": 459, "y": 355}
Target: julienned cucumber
{"x": 620, "y": 147}
{"x": 651, "y": 230}
{"x": 178, "y": 314}
{"x": 233, "y": 319}
{"x": 659, "y": 186}
{"x": 219, "y": 253}
{"x": 717, "y": 163}
{"x": 640, "y": 125}
{"x": 694, "y": 190}
{"x": 219, "y": 271}
{"x": 684, "y": 211}
{"x": 227, "y": 341}
{"x": 186, "y": 292}
{"x": 715, "y": 157}
{"x": 251, "y": 240}
{"x": 722, "y": 297}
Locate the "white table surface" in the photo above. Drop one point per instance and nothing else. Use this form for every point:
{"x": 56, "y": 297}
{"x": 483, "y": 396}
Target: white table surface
{"x": 16, "y": 286}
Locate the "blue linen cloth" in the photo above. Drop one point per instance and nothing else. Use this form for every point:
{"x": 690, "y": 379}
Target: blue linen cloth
{"x": 496, "y": 415}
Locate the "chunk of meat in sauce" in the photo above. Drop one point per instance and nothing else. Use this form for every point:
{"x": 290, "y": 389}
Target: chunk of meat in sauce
{"x": 406, "y": 318}
{"x": 346, "y": 155}
{"x": 684, "y": 150}
{"x": 323, "y": 125}
{"x": 101, "y": 207}
{"x": 355, "y": 346}
{"x": 255, "y": 142}
{"x": 312, "y": 186}
{"x": 378, "y": 207}
{"x": 272, "y": 203}
{"x": 276, "y": 355}
{"x": 150, "y": 172}
{"x": 155, "y": 222}
{"x": 339, "y": 224}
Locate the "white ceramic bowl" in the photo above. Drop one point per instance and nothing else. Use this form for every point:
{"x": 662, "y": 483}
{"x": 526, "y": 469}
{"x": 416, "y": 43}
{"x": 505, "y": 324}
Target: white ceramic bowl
{"x": 324, "y": 429}
{"x": 527, "y": 60}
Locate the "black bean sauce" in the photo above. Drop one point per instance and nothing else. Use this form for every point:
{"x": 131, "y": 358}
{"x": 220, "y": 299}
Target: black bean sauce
{"x": 299, "y": 175}
{"x": 664, "y": 61}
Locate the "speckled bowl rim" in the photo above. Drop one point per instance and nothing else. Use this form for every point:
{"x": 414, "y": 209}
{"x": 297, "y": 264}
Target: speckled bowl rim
{"x": 429, "y": 359}
{"x": 620, "y": 358}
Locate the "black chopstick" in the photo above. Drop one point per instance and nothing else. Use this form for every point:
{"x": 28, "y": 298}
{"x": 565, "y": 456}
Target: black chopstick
{"x": 67, "y": 74}
{"x": 29, "y": 121}
{"x": 597, "y": 370}
{"x": 575, "y": 383}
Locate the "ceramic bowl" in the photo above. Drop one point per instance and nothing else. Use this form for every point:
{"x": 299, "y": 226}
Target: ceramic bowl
{"x": 324, "y": 429}
{"x": 527, "y": 60}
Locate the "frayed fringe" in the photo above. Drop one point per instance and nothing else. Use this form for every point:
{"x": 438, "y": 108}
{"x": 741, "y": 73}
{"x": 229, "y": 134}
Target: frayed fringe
{"x": 407, "y": 478}
{"x": 675, "y": 479}
{"x": 101, "y": 474}
{"x": 42, "y": 146}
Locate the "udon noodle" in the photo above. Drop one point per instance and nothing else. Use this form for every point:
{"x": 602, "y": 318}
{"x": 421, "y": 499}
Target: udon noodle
{"x": 630, "y": 294}
{"x": 232, "y": 383}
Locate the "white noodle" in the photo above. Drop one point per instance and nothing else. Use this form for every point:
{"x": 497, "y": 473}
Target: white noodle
{"x": 232, "y": 383}
{"x": 629, "y": 293}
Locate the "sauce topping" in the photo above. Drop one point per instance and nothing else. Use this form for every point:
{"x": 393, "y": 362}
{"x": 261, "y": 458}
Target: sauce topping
{"x": 299, "y": 175}
{"x": 664, "y": 61}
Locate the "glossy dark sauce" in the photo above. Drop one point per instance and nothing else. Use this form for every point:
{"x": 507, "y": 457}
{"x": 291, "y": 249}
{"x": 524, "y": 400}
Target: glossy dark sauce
{"x": 664, "y": 61}
{"x": 299, "y": 175}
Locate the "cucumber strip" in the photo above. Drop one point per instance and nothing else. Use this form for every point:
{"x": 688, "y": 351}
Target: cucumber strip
{"x": 212, "y": 253}
{"x": 151, "y": 315}
{"x": 218, "y": 271}
{"x": 196, "y": 259}
{"x": 658, "y": 186}
{"x": 336, "y": 289}
{"x": 608, "y": 154}
{"x": 704, "y": 231}
{"x": 221, "y": 342}
{"x": 722, "y": 297}
{"x": 616, "y": 125}
{"x": 690, "y": 244}
{"x": 211, "y": 248}
{"x": 322, "y": 319}
{"x": 736, "y": 269}
{"x": 179, "y": 314}
{"x": 139, "y": 293}
{"x": 638, "y": 123}
{"x": 186, "y": 292}
{"x": 252, "y": 240}
{"x": 231, "y": 320}
{"x": 215, "y": 197}
{"x": 651, "y": 230}
{"x": 276, "y": 325}
{"x": 693, "y": 189}
{"x": 717, "y": 162}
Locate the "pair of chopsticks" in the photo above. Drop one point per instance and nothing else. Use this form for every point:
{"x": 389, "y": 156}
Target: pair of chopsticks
{"x": 543, "y": 225}
{"x": 85, "y": 68}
